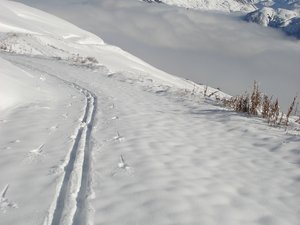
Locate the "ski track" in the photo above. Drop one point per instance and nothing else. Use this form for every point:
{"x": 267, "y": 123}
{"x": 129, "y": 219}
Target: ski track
{"x": 70, "y": 205}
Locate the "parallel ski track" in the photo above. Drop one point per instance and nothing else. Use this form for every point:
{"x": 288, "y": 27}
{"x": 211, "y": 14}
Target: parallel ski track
{"x": 70, "y": 206}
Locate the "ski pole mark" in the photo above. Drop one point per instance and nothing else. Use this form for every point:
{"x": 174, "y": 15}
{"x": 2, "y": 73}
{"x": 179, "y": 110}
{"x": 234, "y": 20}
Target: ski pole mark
{"x": 34, "y": 155}
{"x": 5, "y": 204}
{"x": 123, "y": 166}
{"x": 38, "y": 150}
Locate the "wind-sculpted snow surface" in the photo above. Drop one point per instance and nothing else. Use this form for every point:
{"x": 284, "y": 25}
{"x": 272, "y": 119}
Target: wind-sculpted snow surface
{"x": 162, "y": 155}
{"x": 93, "y": 135}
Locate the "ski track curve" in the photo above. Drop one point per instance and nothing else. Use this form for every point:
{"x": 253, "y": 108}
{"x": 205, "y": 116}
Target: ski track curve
{"x": 70, "y": 206}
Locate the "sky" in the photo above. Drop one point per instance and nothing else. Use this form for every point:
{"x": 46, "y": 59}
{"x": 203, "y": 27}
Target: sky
{"x": 210, "y": 48}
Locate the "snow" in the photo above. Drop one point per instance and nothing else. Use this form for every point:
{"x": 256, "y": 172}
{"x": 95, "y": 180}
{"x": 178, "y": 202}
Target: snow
{"x": 221, "y": 5}
{"x": 31, "y": 140}
{"x": 91, "y": 134}
{"x": 8, "y": 28}
{"x": 179, "y": 157}
{"x": 13, "y": 89}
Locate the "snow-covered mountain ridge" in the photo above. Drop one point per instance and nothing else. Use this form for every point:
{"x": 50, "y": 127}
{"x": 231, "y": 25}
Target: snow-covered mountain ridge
{"x": 221, "y": 5}
{"x": 93, "y": 135}
{"x": 283, "y": 14}
{"x": 287, "y": 20}
{"x": 233, "y": 5}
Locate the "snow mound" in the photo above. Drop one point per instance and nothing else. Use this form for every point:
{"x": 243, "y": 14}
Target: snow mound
{"x": 15, "y": 86}
{"x": 15, "y": 17}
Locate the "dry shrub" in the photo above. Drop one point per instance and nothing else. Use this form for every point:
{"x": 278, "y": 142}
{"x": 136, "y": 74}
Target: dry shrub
{"x": 281, "y": 118}
{"x": 85, "y": 61}
{"x": 3, "y": 47}
{"x": 296, "y": 109}
{"x": 255, "y": 100}
{"x": 239, "y": 103}
{"x": 194, "y": 90}
{"x": 260, "y": 104}
{"x": 265, "y": 107}
{"x": 205, "y": 91}
{"x": 212, "y": 94}
{"x": 243, "y": 104}
{"x": 274, "y": 111}
{"x": 291, "y": 108}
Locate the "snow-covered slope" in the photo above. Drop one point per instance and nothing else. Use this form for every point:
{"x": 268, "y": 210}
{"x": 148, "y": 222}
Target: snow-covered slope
{"x": 92, "y": 135}
{"x": 26, "y": 31}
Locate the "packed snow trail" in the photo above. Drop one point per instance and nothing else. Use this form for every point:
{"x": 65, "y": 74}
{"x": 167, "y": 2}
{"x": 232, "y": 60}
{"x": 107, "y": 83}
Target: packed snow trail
{"x": 69, "y": 207}
{"x": 160, "y": 157}
{"x": 73, "y": 189}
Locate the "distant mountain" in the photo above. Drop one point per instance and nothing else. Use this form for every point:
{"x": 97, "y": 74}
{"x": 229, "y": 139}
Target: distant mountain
{"x": 150, "y": 1}
{"x": 286, "y": 19}
{"x": 282, "y": 14}
{"x": 220, "y": 5}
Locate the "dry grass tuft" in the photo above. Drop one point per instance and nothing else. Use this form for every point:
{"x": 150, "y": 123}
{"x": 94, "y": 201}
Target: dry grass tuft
{"x": 205, "y": 91}
{"x": 274, "y": 113}
{"x": 291, "y": 108}
{"x": 255, "y": 100}
{"x": 239, "y": 103}
{"x": 259, "y": 104}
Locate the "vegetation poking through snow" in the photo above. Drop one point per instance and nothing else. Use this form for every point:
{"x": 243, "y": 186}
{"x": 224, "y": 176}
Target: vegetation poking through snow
{"x": 255, "y": 100}
{"x": 205, "y": 92}
{"x": 3, "y": 47}
{"x": 85, "y": 61}
{"x": 260, "y": 104}
{"x": 291, "y": 109}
